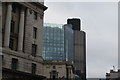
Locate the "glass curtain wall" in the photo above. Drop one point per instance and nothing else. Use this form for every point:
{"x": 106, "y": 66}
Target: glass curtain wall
{"x": 53, "y": 42}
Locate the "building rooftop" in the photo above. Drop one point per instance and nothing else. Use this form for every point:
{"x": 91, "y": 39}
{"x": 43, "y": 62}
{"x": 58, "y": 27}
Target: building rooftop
{"x": 59, "y": 62}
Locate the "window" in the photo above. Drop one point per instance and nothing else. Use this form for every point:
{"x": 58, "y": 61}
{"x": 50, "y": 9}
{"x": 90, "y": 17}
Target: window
{"x": 2, "y": 59}
{"x": 13, "y": 8}
{"x": 12, "y": 26}
{"x": 34, "y": 49}
{"x": 54, "y": 67}
{"x": 14, "y": 64}
{"x": 33, "y": 68}
{"x": 34, "y": 32}
{"x": 11, "y": 44}
{"x": 30, "y": 11}
{"x": 70, "y": 71}
{"x": 35, "y": 15}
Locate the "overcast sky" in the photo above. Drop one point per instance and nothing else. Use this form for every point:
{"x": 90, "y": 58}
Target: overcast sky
{"x": 100, "y": 22}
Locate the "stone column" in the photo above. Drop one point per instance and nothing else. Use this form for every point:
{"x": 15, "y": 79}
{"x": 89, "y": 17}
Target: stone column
{"x": 8, "y": 25}
{"x": 21, "y": 30}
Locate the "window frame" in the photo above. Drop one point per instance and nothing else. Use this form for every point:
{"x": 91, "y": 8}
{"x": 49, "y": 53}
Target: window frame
{"x": 34, "y": 48}
{"x": 34, "y": 32}
{"x": 14, "y": 8}
{"x": 12, "y": 26}
{"x": 35, "y": 15}
{"x": 14, "y": 64}
{"x": 11, "y": 44}
{"x": 34, "y": 67}
{"x": 54, "y": 67}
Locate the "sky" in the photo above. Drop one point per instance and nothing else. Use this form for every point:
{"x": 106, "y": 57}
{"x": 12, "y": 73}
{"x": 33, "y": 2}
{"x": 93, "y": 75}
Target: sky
{"x": 100, "y": 22}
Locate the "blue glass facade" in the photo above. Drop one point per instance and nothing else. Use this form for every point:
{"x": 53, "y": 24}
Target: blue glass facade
{"x": 68, "y": 41}
{"x": 53, "y": 42}
{"x": 57, "y": 42}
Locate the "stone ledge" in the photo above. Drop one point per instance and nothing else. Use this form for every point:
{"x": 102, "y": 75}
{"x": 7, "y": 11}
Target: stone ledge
{"x": 21, "y": 55}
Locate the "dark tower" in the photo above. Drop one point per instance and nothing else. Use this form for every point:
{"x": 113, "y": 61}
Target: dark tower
{"x": 75, "y": 23}
{"x": 79, "y": 48}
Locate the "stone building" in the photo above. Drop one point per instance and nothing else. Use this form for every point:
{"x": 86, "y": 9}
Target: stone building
{"x": 113, "y": 75}
{"x": 58, "y": 70}
{"x": 22, "y": 24}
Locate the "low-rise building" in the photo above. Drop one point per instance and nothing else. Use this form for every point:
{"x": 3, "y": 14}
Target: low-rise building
{"x": 58, "y": 69}
{"x": 113, "y": 75}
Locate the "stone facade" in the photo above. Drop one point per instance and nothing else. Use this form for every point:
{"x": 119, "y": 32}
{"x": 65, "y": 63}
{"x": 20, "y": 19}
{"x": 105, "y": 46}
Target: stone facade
{"x": 18, "y": 22}
{"x": 58, "y": 70}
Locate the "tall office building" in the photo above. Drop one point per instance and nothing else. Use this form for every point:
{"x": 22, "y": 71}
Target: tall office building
{"x": 79, "y": 48}
{"x": 58, "y": 42}
{"x": 68, "y": 42}
{"x": 80, "y": 53}
{"x": 76, "y": 23}
{"x": 22, "y": 24}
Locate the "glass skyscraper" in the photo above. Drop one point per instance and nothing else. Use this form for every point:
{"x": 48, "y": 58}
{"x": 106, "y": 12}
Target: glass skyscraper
{"x": 57, "y": 42}
{"x": 53, "y": 42}
{"x": 68, "y": 42}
